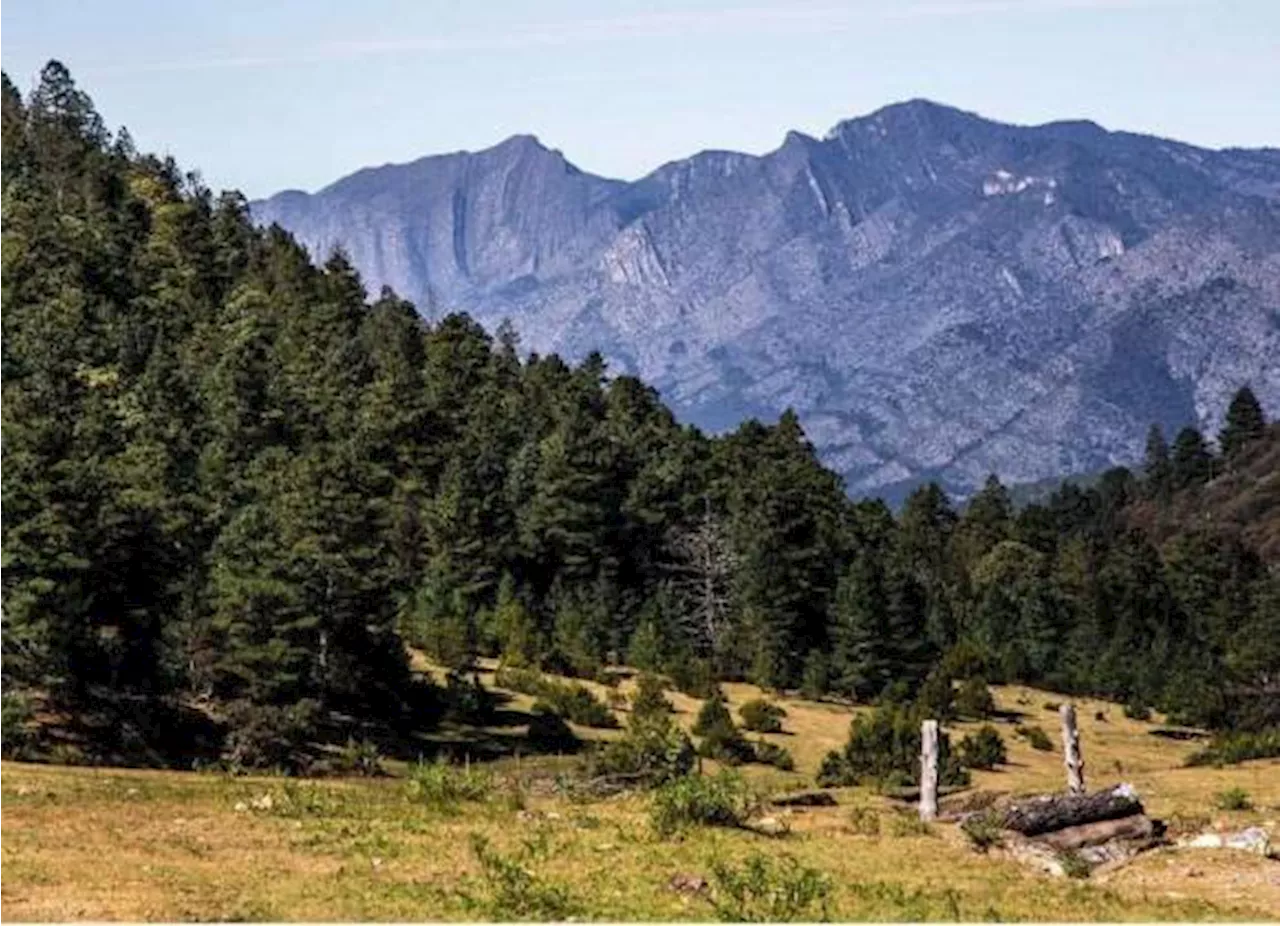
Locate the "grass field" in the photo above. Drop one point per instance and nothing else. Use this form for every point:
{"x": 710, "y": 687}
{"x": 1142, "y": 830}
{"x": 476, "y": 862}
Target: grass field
{"x": 96, "y": 844}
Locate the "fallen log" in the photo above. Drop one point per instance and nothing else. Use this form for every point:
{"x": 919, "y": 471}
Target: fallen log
{"x": 1138, "y": 826}
{"x": 1059, "y": 811}
{"x": 804, "y": 799}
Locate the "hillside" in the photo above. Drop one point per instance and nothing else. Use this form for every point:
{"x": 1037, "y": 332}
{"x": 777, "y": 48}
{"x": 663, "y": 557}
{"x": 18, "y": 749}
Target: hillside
{"x": 1244, "y": 501}
{"x": 938, "y": 296}
{"x": 97, "y": 844}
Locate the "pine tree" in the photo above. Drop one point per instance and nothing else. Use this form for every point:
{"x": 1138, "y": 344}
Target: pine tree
{"x": 861, "y": 658}
{"x": 1191, "y": 463}
{"x": 1157, "y": 470}
{"x": 1244, "y": 423}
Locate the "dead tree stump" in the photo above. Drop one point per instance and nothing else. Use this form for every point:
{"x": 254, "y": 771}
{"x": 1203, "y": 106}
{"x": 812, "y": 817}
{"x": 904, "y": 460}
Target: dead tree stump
{"x": 1071, "y": 750}
{"x": 929, "y": 770}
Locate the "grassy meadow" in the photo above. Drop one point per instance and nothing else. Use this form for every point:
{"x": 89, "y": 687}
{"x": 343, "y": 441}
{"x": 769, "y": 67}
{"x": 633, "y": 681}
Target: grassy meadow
{"x": 101, "y": 844}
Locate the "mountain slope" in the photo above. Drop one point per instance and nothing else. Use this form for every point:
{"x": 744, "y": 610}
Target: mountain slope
{"x": 937, "y": 295}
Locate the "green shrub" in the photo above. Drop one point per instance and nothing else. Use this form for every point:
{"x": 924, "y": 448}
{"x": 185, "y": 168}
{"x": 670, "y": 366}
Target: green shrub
{"x": 654, "y": 751}
{"x": 1233, "y": 799}
{"x": 936, "y": 698}
{"x": 516, "y": 678}
{"x": 16, "y": 715}
{"x": 265, "y": 736}
{"x": 1233, "y": 748}
{"x": 983, "y": 830}
{"x": 721, "y": 738}
{"x": 700, "y": 800}
{"x": 649, "y": 699}
{"x": 571, "y": 700}
{"x": 770, "y": 754}
{"x": 764, "y": 890}
{"x": 1035, "y": 736}
{"x": 443, "y": 786}
{"x": 974, "y": 700}
{"x": 577, "y": 704}
{"x": 359, "y": 758}
{"x": 548, "y": 731}
{"x": 1136, "y": 710}
{"x": 761, "y": 716}
{"x": 1074, "y": 864}
{"x": 984, "y": 749}
{"x": 885, "y": 745}
{"x": 467, "y": 701}
{"x": 514, "y": 891}
{"x": 694, "y": 678}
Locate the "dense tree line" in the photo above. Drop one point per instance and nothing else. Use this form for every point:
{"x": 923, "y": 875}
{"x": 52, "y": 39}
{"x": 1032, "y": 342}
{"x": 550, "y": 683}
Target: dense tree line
{"x": 231, "y": 478}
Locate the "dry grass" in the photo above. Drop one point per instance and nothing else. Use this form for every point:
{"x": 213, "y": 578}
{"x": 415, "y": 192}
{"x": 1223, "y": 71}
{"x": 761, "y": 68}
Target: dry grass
{"x": 83, "y": 844}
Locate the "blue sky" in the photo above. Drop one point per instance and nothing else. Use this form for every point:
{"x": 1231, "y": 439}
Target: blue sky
{"x": 263, "y": 96}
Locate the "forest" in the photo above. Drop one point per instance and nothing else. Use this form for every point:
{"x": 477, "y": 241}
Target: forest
{"x": 237, "y": 485}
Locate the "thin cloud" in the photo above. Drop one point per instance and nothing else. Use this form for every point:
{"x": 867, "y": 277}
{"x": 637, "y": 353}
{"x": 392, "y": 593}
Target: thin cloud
{"x": 740, "y": 20}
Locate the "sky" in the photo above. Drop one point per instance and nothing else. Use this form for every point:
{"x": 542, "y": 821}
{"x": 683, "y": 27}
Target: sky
{"x": 263, "y": 96}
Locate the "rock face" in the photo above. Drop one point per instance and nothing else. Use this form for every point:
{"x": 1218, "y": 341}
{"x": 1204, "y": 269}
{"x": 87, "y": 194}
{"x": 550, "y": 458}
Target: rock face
{"x": 937, "y": 295}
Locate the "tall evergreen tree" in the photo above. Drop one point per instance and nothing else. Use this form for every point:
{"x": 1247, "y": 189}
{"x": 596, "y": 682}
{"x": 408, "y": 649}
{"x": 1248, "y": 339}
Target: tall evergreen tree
{"x": 1244, "y": 423}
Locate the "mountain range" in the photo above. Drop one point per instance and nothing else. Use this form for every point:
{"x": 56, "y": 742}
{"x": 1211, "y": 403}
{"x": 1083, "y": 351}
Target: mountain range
{"x": 937, "y": 295}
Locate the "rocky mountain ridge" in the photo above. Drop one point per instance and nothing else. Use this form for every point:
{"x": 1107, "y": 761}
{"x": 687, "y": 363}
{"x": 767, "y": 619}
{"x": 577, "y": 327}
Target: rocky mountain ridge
{"x": 936, "y": 294}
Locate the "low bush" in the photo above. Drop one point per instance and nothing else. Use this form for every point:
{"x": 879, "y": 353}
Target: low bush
{"x": 266, "y": 736}
{"x": 984, "y": 749}
{"x": 1233, "y": 748}
{"x": 571, "y": 700}
{"x": 513, "y": 891}
{"x": 700, "y": 800}
{"x": 1035, "y": 736}
{"x": 884, "y": 745}
{"x": 974, "y": 700}
{"x": 761, "y": 716}
{"x": 983, "y": 830}
{"x": 1135, "y": 710}
{"x": 653, "y": 752}
{"x": 443, "y": 786}
{"x": 694, "y": 678}
{"x": 1233, "y": 799}
{"x": 548, "y": 731}
{"x": 359, "y": 758}
{"x": 721, "y": 739}
{"x": 649, "y": 699}
{"x": 1073, "y": 864}
{"x": 467, "y": 701}
{"x": 770, "y": 754}
{"x": 764, "y": 890}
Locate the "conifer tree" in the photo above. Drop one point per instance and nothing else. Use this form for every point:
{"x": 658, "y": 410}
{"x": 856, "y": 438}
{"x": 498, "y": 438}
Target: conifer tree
{"x": 1244, "y": 423}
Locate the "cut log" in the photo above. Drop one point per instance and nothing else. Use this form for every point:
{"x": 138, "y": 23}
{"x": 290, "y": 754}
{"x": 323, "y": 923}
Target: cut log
{"x": 1138, "y": 826}
{"x": 1055, "y": 812}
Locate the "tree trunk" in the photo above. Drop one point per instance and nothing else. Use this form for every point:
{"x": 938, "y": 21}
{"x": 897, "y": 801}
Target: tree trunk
{"x": 1055, "y": 812}
{"x": 1137, "y": 826}
{"x": 1071, "y": 750}
{"x": 929, "y": 770}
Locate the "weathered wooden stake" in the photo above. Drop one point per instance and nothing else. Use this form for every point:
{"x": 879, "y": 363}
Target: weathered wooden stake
{"x": 1071, "y": 750}
{"x": 929, "y": 770}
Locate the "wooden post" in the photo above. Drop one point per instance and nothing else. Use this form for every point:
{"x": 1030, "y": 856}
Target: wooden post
{"x": 929, "y": 770}
{"x": 1071, "y": 750}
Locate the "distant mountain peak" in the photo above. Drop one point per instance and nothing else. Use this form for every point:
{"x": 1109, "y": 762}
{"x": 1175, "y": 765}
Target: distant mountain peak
{"x": 938, "y": 294}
